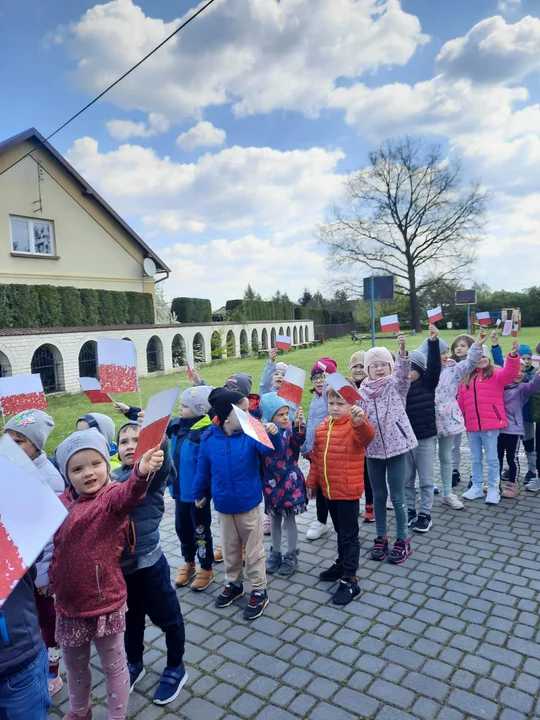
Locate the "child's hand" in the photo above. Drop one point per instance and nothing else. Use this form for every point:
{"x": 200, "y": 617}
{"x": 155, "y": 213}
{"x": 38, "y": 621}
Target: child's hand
{"x": 482, "y": 335}
{"x": 272, "y": 355}
{"x": 307, "y": 456}
{"x": 515, "y": 348}
{"x": 271, "y": 429}
{"x": 195, "y": 379}
{"x": 494, "y": 337}
{"x": 299, "y": 417}
{"x": 151, "y": 461}
{"x": 200, "y": 503}
{"x": 433, "y": 331}
{"x": 402, "y": 342}
{"x": 357, "y": 414}
{"x": 140, "y": 416}
{"x": 311, "y": 493}
{"x": 121, "y": 407}
{"x": 45, "y": 590}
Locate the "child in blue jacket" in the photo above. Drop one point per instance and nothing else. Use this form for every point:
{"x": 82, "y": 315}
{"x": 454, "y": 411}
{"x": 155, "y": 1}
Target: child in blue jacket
{"x": 228, "y": 470}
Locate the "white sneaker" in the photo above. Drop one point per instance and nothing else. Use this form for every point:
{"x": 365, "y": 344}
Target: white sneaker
{"x": 533, "y": 486}
{"x": 317, "y": 530}
{"x": 473, "y": 493}
{"x": 453, "y": 502}
{"x": 493, "y": 496}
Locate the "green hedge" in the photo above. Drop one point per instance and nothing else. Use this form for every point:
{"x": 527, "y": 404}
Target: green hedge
{"x": 44, "y": 306}
{"x": 323, "y": 317}
{"x": 192, "y": 310}
{"x": 247, "y": 310}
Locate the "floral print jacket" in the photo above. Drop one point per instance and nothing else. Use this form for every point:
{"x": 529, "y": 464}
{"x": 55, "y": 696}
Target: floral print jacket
{"x": 284, "y": 487}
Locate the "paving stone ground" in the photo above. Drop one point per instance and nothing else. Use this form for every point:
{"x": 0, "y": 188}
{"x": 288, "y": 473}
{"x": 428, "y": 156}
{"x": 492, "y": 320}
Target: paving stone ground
{"x": 451, "y": 634}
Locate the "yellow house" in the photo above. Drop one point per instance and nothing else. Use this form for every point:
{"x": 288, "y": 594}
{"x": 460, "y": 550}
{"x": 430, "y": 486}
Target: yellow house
{"x": 55, "y": 229}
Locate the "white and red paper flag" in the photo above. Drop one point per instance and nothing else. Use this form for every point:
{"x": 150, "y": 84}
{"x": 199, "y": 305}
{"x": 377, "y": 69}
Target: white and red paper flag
{"x": 390, "y": 323}
{"x": 483, "y": 318}
{"x": 252, "y": 427}
{"x": 190, "y": 362}
{"x": 156, "y": 418}
{"x": 343, "y": 387}
{"x": 535, "y": 358}
{"x": 292, "y": 385}
{"x": 498, "y": 323}
{"x": 515, "y": 331}
{"x": 30, "y": 514}
{"x": 283, "y": 342}
{"x": 117, "y": 366}
{"x": 435, "y": 315}
{"x": 21, "y": 392}
{"x": 507, "y": 328}
{"x": 92, "y": 389}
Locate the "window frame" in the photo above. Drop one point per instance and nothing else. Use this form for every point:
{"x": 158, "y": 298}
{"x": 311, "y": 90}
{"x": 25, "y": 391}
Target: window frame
{"x": 31, "y": 237}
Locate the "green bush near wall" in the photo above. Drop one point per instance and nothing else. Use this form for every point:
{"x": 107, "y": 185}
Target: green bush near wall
{"x": 48, "y": 306}
{"x": 192, "y": 310}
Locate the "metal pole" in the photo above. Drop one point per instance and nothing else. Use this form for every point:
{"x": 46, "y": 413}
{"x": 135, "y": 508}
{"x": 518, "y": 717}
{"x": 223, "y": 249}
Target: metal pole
{"x": 468, "y": 319}
{"x": 372, "y": 312}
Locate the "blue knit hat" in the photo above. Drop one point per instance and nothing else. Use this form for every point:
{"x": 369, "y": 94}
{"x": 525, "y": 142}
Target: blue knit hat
{"x": 524, "y": 350}
{"x": 443, "y": 346}
{"x": 270, "y": 404}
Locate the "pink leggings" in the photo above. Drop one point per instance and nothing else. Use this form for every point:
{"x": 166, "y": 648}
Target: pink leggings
{"x": 79, "y": 675}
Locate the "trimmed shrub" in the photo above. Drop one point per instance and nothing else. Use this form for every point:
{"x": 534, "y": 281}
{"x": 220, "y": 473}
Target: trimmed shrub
{"x": 107, "y": 314}
{"x": 90, "y": 303}
{"x": 72, "y": 310}
{"x": 24, "y": 303}
{"x": 50, "y": 306}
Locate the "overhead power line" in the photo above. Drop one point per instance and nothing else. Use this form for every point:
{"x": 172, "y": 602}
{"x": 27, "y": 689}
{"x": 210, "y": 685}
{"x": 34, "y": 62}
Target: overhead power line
{"x": 73, "y": 117}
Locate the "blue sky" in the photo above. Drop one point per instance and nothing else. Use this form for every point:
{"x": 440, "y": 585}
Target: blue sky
{"x": 225, "y": 149}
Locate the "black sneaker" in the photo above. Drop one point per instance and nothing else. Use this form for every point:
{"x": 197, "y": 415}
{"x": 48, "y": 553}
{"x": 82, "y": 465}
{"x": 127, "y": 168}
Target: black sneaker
{"x": 257, "y": 602}
{"x": 456, "y": 478}
{"x": 380, "y": 548}
{"x": 136, "y": 673}
{"x": 412, "y": 517}
{"x": 529, "y": 476}
{"x": 332, "y": 574}
{"x": 346, "y": 592}
{"x": 229, "y": 594}
{"x": 400, "y": 552}
{"x": 423, "y": 524}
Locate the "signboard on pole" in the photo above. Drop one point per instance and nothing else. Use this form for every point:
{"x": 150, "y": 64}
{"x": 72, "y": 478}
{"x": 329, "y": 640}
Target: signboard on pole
{"x": 465, "y": 297}
{"x": 383, "y": 288}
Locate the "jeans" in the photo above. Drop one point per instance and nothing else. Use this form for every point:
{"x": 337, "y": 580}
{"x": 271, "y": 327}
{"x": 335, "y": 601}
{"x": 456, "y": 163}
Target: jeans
{"x": 344, "y": 514}
{"x": 193, "y": 527}
{"x": 150, "y": 593}
{"x": 456, "y": 452}
{"x": 509, "y": 445}
{"x": 486, "y": 439}
{"x": 446, "y": 451}
{"x": 421, "y": 460}
{"x": 393, "y": 470}
{"x": 25, "y": 694}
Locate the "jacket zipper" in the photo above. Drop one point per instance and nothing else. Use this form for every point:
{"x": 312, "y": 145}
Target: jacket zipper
{"x": 325, "y": 454}
{"x": 380, "y": 429}
{"x": 98, "y": 573}
{"x": 497, "y": 413}
{"x": 476, "y": 403}
{"x": 401, "y": 430}
{"x": 3, "y": 629}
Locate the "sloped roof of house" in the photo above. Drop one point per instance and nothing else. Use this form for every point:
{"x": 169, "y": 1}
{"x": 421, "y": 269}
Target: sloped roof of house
{"x": 87, "y": 189}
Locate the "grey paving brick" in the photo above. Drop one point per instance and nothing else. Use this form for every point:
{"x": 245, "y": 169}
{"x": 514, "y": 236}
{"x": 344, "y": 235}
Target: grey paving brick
{"x": 322, "y": 688}
{"x": 271, "y": 712}
{"x": 393, "y": 673}
{"x": 516, "y": 699}
{"x": 324, "y": 667}
{"x": 487, "y": 688}
{"x": 463, "y": 679}
{"x": 356, "y": 702}
{"x": 267, "y": 665}
{"x": 527, "y": 683}
{"x": 237, "y": 653}
{"x": 235, "y": 674}
{"x": 428, "y": 686}
{"x": 323, "y": 711}
{"x": 199, "y": 709}
{"x": 437, "y": 669}
{"x": 473, "y": 705}
{"x": 222, "y": 694}
{"x": 425, "y": 708}
{"x": 392, "y": 694}
{"x": 263, "y": 686}
{"x": 302, "y": 704}
{"x": 315, "y": 643}
{"x": 410, "y": 659}
{"x": 360, "y": 680}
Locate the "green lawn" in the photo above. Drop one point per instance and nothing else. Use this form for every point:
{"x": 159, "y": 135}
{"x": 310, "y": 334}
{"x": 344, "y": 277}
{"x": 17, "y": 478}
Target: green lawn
{"x": 66, "y": 409}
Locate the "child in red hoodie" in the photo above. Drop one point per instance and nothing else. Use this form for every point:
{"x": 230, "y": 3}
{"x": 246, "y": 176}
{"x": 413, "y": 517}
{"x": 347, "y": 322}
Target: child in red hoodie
{"x": 85, "y": 569}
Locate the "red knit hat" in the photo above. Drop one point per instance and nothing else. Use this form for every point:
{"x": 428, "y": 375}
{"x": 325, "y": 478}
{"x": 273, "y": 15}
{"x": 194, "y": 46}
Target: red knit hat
{"x": 325, "y": 364}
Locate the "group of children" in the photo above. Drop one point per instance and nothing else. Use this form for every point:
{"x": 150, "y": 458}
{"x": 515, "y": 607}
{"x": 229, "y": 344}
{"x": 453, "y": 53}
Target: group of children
{"x": 105, "y": 571}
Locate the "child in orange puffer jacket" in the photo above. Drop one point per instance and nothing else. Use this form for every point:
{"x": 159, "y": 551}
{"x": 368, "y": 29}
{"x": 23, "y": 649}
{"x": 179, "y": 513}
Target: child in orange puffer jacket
{"x": 337, "y": 468}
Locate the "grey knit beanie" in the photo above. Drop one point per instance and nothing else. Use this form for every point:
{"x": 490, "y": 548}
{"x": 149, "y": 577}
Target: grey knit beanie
{"x": 35, "y": 425}
{"x": 102, "y": 423}
{"x": 418, "y": 361}
{"x": 90, "y": 439}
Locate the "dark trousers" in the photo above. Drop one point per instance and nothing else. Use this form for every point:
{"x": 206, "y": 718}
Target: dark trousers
{"x": 193, "y": 527}
{"x": 344, "y": 514}
{"x": 537, "y": 437}
{"x": 509, "y": 445}
{"x": 149, "y": 592}
{"x": 322, "y": 508}
{"x": 368, "y": 490}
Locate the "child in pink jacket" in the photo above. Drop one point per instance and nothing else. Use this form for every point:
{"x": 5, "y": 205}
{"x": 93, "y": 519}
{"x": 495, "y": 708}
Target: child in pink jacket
{"x": 481, "y": 401}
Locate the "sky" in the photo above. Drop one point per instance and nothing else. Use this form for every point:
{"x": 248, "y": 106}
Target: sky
{"x": 226, "y": 149}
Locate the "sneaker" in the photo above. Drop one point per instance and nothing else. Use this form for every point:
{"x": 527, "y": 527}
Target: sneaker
{"x": 71, "y": 716}
{"x": 218, "y": 554}
{"x": 456, "y": 478}
{"x": 493, "y": 496}
{"x": 505, "y": 475}
{"x": 380, "y": 548}
{"x": 266, "y": 525}
{"x": 203, "y": 579}
{"x": 473, "y": 493}
{"x": 274, "y": 562}
{"x": 436, "y": 490}
{"x": 170, "y": 684}
{"x": 369, "y": 514}
{"x": 412, "y": 517}
{"x": 258, "y": 600}
{"x": 136, "y": 673}
{"x": 55, "y": 685}
{"x": 453, "y": 502}
{"x": 400, "y": 552}
{"x": 184, "y": 575}
{"x": 229, "y": 594}
{"x": 289, "y": 565}
{"x": 423, "y": 524}
{"x": 530, "y": 475}
{"x": 510, "y": 490}
{"x": 346, "y": 592}
{"x": 534, "y": 485}
{"x": 332, "y": 574}
{"x": 317, "y": 530}
{"x": 389, "y": 505}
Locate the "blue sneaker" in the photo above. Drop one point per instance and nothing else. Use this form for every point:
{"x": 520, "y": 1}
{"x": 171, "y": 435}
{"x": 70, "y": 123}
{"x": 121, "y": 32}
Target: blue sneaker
{"x": 136, "y": 673}
{"x": 170, "y": 684}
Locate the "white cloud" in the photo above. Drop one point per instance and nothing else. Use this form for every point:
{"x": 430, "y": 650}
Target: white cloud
{"x": 505, "y": 5}
{"x": 171, "y": 222}
{"x": 126, "y": 129}
{"x": 203, "y": 134}
{"x": 257, "y": 54}
{"x": 493, "y": 51}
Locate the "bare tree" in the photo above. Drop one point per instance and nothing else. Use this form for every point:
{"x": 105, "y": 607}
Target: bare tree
{"x": 407, "y": 214}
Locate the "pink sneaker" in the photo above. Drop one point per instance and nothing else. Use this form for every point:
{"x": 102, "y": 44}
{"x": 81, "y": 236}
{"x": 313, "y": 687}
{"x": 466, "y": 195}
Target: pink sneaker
{"x": 510, "y": 490}
{"x": 71, "y": 716}
{"x": 55, "y": 685}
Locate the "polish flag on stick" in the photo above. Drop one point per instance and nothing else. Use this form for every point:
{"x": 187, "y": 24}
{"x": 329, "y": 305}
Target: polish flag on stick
{"x": 435, "y": 315}
{"x": 283, "y": 342}
{"x": 190, "y": 362}
{"x": 252, "y": 427}
{"x": 92, "y": 389}
{"x": 21, "y": 392}
{"x": 515, "y": 331}
{"x": 535, "y": 358}
{"x": 117, "y": 366}
{"x": 343, "y": 387}
{"x": 30, "y": 514}
{"x": 483, "y": 318}
{"x": 292, "y": 385}
{"x": 390, "y": 323}
{"x": 159, "y": 409}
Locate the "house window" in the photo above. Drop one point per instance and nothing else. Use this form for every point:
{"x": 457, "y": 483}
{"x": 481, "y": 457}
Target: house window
{"x": 35, "y": 237}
